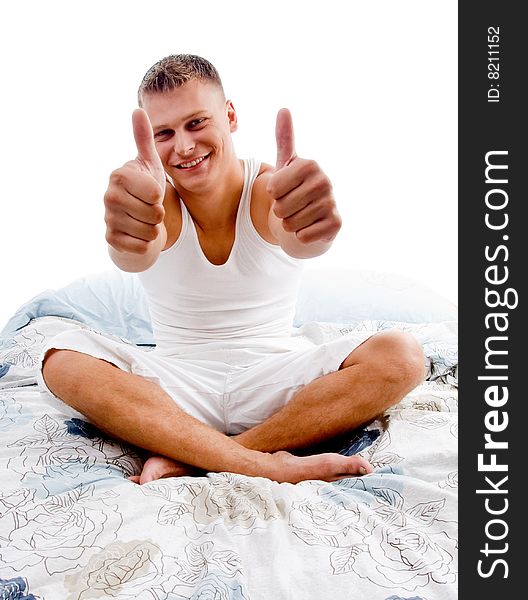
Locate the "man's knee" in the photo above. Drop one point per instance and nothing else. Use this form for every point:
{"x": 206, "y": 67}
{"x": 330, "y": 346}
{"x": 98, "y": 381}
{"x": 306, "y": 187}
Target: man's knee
{"x": 65, "y": 369}
{"x": 401, "y": 357}
{"x": 395, "y": 355}
{"x": 58, "y": 366}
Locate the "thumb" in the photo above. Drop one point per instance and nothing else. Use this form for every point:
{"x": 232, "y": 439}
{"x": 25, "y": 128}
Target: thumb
{"x": 285, "y": 138}
{"x": 144, "y": 138}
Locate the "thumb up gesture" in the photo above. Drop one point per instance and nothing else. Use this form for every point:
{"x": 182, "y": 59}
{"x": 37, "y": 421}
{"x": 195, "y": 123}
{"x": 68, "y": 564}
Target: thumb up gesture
{"x": 134, "y": 199}
{"x": 302, "y": 193}
{"x": 147, "y": 159}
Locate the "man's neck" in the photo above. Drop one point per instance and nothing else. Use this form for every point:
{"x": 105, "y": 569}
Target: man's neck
{"x": 217, "y": 208}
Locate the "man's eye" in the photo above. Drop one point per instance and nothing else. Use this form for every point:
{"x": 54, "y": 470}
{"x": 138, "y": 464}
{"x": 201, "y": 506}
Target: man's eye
{"x": 196, "y": 123}
{"x": 162, "y": 135}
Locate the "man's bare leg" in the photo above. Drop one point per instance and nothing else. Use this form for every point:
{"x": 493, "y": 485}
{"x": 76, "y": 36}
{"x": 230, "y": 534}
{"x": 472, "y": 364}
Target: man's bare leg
{"x": 140, "y": 412}
{"x": 374, "y": 377}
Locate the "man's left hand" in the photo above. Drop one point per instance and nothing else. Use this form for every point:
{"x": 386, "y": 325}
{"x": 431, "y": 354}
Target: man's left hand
{"x": 302, "y": 193}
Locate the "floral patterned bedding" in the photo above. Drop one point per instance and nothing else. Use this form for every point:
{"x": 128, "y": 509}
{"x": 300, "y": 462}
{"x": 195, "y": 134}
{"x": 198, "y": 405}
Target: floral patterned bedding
{"x": 73, "y": 527}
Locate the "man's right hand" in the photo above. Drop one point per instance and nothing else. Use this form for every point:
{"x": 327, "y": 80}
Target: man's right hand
{"x": 134, "y": 199}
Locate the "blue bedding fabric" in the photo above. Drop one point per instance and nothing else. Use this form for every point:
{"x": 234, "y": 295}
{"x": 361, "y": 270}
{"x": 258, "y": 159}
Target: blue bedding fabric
{"x": 73, "y": 527}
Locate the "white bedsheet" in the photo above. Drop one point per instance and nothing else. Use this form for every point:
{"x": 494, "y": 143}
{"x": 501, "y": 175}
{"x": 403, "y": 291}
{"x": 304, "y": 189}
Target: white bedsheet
{"x": 73, "y": 527}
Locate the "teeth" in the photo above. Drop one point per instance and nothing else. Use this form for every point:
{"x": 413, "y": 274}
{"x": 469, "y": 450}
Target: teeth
{"x": 191, "y": 164}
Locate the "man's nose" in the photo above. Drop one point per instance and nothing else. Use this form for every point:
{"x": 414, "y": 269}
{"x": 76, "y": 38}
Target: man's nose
{"x": 183, "y": 143}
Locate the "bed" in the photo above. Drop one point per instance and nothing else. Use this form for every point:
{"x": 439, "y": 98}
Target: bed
{"x": 73, "y": 527}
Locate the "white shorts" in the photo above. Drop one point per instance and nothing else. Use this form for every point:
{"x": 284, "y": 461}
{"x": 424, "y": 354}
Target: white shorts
{"x": 231, "y": 389}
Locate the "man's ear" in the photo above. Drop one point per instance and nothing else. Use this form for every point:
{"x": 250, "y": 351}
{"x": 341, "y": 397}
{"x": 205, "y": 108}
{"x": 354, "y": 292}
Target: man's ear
{"x": 231, "y": 116}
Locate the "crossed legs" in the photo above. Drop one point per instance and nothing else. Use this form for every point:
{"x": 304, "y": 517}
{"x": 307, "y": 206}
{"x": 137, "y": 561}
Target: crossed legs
{"x": 375, "y": 376}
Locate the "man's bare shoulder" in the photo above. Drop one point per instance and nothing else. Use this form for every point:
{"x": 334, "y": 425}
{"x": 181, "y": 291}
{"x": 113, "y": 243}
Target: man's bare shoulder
{"x": 173, "y": 216}
{"x": 260, "y": 194}
{"x": 265, "y": 168}
{"x": 261, "y": 203}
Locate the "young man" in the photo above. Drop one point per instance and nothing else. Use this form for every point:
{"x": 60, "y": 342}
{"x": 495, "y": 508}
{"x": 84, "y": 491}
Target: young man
{"x": 219, "y": 243}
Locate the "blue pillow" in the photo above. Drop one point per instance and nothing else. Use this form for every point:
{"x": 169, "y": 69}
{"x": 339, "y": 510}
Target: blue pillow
{"x": 114, "y": 302}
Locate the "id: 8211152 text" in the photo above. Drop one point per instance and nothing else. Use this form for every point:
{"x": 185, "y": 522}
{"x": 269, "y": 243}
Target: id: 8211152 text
{"x": 493, "y": 64}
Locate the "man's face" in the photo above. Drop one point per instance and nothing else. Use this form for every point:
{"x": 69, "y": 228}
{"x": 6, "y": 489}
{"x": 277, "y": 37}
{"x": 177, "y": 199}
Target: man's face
{"x": 192, "y": 132}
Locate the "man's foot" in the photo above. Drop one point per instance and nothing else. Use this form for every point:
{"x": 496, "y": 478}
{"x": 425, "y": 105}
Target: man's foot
{"x": 159, "y": 467}
{"x": 286, "y": 467}
{"x": 280, "y": 466}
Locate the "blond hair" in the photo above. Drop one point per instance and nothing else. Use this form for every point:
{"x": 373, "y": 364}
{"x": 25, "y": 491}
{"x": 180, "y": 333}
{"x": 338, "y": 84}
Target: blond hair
{"x": 174, "y": 71}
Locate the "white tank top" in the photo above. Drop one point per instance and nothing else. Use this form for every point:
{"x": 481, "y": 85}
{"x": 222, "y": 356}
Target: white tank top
{"x": 248, "y": 300}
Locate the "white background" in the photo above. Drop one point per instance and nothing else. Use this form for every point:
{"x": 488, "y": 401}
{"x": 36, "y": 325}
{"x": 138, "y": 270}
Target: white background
{"x": 372, "y": 87}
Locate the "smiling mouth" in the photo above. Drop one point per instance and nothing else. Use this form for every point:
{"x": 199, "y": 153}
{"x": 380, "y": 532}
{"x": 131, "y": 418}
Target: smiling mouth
{"x": 192, "y": 163}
